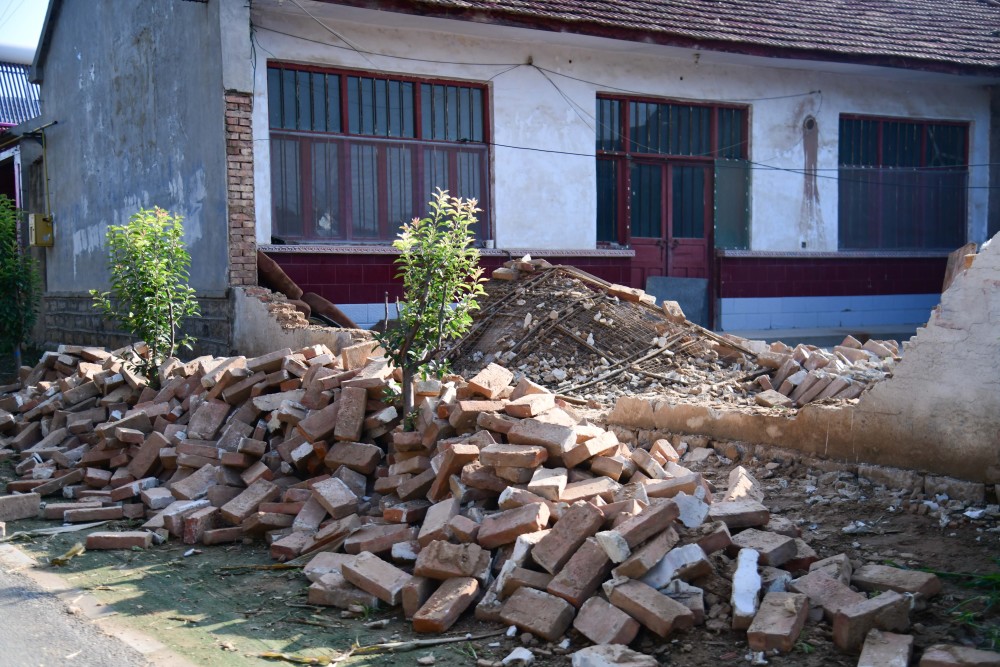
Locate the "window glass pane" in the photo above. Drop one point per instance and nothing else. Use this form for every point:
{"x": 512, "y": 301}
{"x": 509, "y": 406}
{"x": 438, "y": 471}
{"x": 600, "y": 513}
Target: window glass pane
{"x": 333, "y": 103}
{"x": 451, "y": 122}
{"x": 438, "y": 115}
{"x": 274, "y": 97}
{"x": 302, "y": 89}
{"x": 286, "y": 208}
{"x": 364, "y": 191}
{"x": 395, "y": 110}
{"x": 289, "y": 111}
{"x": 647, "y": 193}
{"x": 318, "y": 95}
{"x": 354, "y": 105}
{"x": 326, "y": 214}
{"x": 435, "y": 172}
{"x": 408, "y": 108}
{"x": 688, "y": 195}
{"x": 400, "y": 187}
{"x": 608, "y": 125}
{"x": 899, "y": 200}
{"x": 470, "y": 165}
{"x": 478, "y": 116}
{"x": 367, "y": 108}
{"x": 426, "y": 103}
{"x": 607, "y": 201}
{"x": 380, "y": 96}
{"x": 732, "y": 211}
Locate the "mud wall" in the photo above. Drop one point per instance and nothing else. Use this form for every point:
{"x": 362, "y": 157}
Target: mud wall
{"x": 940, "y": 412}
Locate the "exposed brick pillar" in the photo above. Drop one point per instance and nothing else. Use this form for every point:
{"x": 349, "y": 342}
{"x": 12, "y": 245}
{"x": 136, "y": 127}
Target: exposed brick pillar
{"x": 239, "y": 180}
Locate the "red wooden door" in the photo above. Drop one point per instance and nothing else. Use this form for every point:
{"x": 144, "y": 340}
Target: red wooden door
{"x": 670, "y": 208}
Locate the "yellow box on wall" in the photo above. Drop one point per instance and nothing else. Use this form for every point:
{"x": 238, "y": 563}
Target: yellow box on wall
{"x": 40, "y": 230}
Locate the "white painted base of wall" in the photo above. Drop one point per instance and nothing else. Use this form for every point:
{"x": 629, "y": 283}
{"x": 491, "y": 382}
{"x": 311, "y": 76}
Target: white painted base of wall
{"x": 365, "y": 315}
{"x": 825, "y": 311}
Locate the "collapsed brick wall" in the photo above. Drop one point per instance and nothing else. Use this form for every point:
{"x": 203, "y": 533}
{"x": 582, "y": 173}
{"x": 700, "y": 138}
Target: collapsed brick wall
{"x": 71, "y": 319}
{"x": 240, "y": 189}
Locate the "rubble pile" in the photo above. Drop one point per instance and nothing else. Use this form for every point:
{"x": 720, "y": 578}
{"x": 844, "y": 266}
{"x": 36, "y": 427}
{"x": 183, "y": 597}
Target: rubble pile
{"x": 581, "y": 336}
{"x": 808, "y": 373}
{"x": 500, "y": 499}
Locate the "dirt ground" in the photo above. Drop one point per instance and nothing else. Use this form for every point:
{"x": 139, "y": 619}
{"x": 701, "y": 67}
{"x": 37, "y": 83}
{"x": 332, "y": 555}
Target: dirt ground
{"x": 215, "y": 616}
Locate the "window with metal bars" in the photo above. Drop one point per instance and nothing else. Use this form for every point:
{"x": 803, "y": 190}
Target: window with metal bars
{"x": 637, "y": 139}
{"x": 354, "y": 155}
{"x": 903, "y": 184}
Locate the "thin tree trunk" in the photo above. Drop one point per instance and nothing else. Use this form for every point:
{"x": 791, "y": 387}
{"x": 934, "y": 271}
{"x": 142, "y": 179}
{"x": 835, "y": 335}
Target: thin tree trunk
{"x": 407, "y": 391}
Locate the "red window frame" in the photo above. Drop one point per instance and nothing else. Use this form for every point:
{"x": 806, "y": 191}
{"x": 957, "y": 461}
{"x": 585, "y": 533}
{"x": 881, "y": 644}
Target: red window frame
{"x": 625, "y": 154}
{"x": 418, "y": 146}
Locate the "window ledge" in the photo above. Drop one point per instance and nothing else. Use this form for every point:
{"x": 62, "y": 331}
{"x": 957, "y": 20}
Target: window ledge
{"x": 332, "y": 249}
{"x": 840, "y": 254}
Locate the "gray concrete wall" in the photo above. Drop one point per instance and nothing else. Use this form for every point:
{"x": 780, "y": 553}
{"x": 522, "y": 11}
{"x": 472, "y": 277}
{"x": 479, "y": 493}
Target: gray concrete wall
{"x": 136, "y": 88}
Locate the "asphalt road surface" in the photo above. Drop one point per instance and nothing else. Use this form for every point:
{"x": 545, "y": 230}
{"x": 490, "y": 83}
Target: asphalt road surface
{"x": 37, "y": 630}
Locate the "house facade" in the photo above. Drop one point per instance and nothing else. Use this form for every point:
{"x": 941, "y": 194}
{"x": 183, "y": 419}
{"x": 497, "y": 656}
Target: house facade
{"x": 782, "y": 165}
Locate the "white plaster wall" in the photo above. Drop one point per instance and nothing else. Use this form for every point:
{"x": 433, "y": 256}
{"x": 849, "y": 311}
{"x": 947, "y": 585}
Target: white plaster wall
{"x": 547, "y": 199}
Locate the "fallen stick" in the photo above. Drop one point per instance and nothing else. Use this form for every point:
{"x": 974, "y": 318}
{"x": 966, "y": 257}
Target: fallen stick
{"x": 51, "y": 531}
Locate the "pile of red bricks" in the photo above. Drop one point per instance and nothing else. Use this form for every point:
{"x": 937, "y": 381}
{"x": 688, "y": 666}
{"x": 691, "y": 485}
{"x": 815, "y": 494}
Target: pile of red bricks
{"x": 500, "y": 499}
{"x": 808, "y": 373}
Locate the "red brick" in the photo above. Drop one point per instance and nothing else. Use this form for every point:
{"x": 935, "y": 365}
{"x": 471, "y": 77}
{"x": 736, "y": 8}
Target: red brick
{"x": 579, "y": 522}
{"x": 651, "y": 608}
{"x": 245, "y": 504}
{"x": 444, "y": 560}
{"x": 826, "y": 592}
{"x": 747, "y": 513}
{"x": 416, "y": 592}
{"x": 774, "y": 549}
{"x": 195, "y": 485}
{"x": 463, "y": 528}
{"x": 373, "y": 575}
{"x": 778, "y": 622}
{"x": 222, "y": 535}
{"x": 874, "y": 577}
{"x": 556, "y": 438}
{"x": 454, "y": 460}
{"x": 289, "y": 546}
{"x": 332, "y": 590}
{"x": 582, "y": 574}
{"x": 417, "y": 486}
{"x": 587, "y": 489}
{"x": 446, "y": 605}
{"x": 539, "y": 613}
{"x": 465, "y": 414}
{"x": 520, "y": 576}
{"x": 378, "y": 539}
{"x": 602, "y": 623}
{"x": 20, "y": 506}
{"x": 943, "y": 655}
{"x": 336, "y": 497}
{"x": 504, "y": 527}
{"x": 530, "y": 405}
{"x": 648, "y": 555}
{"x": 435, "y": 523}
{"x": 86, "y": 515}
{"x": 207, "y": 419}
{"x": 651, "y": 521}
{"x": 549, "y": 483}
{"x": 360, "y": 457}
{"x": 514, "y": 456}
{"x": 887, "y": 649}
{"x": 196, "y": 523}
{"x": 320, "y": 424}
{"x": 351, "y": 416}
{"x": 119, "y": 540}
{"x": 888, "y": 611}
{"x": 491, "y": 381}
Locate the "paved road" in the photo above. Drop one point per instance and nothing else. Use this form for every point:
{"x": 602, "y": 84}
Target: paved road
{"x": 36, "y": 630}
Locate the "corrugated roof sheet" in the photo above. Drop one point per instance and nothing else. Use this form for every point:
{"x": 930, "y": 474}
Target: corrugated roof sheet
{"x": 18, "y": 97}
{"x": 963, "y": 33}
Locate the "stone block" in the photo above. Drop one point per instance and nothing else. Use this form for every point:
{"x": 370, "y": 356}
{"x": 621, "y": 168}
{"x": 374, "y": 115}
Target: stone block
{"x": 745, "y": 590}
{"x": 491, "y": 381}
